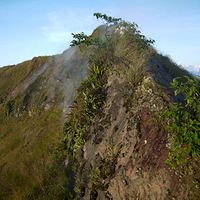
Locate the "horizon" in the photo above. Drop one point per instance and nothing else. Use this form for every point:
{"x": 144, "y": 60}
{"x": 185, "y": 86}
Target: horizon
{"x": 43, "y": 27}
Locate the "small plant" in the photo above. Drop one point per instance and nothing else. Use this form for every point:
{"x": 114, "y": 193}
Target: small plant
{"x": 109, "y": 161}
{"x": 94, "y": 176}
{"x": 7, "y": 109}
{"x": 88, "y": 102}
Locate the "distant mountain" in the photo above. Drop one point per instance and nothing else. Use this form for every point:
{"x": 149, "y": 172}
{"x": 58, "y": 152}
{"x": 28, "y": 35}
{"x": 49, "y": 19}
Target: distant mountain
{"x": 191, "y": 69}
{"x": 194, "y": 73}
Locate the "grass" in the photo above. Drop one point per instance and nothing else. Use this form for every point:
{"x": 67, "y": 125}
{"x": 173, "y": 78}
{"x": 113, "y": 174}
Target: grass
{"x": 33, "y": 95}
{"x": 26, "y": 155}
{"x": 31, "y": 125}
{"x": 170, "y": 69}
{"x": 11, "y": 76}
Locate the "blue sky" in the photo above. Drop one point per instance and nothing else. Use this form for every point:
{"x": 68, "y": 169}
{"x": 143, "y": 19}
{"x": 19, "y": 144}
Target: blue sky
{"x": 32, "y": 28}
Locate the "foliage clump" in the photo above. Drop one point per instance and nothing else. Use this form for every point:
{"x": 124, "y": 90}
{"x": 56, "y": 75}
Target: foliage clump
{"x": 182, "y": 122}
{"x": 87, "y": 103}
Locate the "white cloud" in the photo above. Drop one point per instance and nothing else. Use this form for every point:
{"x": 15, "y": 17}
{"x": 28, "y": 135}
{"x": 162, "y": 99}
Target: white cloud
{"x": 58, "y": 35}
{"x": 57, "y": 30}
{"x": 197, "y": 68}
{"x": 193, "y": 68}
{"x": 190, "y": 68}
{"x": 63, "y": 23}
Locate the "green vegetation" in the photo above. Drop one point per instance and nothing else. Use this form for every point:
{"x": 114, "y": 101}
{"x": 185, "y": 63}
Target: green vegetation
{"x": 94, "y": 176}
{"x": 31, "y": 136}
{"x": 182, "y": 122}
{"x": 172, "y": 68}
{"x": 11, "y": 76}
{"x": 82, "y": 38}
{"x": 123, "y": 55}
{"x": 87, "y": 105}
{"x": 31, "y": 158}
{"x": 33, "y": 96}
{"x": 122, "y": 52}
{"x": 88, "y": 101}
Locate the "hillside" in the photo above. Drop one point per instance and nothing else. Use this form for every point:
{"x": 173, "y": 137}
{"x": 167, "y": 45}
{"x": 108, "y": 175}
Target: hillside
{"x": 35, "y": 97}
{"x": 106, "y": 148}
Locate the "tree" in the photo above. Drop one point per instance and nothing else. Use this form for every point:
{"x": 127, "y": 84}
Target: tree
{"x": 81, "y": 38}
{"x": 107, "y": 21}
{"x": 128, "y": 28}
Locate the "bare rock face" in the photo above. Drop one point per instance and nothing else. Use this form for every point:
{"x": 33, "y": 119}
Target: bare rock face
{"x": 129, "y": 154}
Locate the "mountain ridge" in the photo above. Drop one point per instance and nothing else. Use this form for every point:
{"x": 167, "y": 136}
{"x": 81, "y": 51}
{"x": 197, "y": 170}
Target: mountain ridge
{"x": 108, "y": 142}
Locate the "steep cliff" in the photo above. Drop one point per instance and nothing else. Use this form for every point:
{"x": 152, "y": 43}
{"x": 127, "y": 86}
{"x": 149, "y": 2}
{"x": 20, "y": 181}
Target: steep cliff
{"x": 129, "y": 154}
{"x": 114, "y": 150}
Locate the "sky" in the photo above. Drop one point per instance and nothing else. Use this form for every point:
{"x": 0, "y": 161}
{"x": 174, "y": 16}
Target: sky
{"x": 30, "y": 28}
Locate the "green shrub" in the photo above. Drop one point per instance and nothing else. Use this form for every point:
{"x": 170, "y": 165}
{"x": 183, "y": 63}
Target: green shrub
{"x": 182, "y": 122}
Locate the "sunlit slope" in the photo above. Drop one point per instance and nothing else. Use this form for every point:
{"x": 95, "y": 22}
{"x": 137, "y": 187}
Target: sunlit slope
{"x": 34, "y": 98}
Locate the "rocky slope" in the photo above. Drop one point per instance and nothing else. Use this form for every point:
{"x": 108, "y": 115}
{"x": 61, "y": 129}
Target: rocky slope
{"x": 115, "y": 151}
{"x": 131, "y": 148}
{"x": 125, "y": 157}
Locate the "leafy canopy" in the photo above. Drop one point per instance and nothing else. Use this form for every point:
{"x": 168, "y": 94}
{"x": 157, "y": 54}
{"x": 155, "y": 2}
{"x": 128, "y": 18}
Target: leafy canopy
{"x": 108, "y": 19}
{"x": 81, "y": 38}
{"x": 127, "y": 27}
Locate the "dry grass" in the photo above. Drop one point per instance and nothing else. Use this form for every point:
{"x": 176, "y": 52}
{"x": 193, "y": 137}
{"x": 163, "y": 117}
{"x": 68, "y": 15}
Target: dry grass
{"x": 26, "y": 155}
